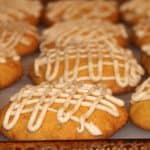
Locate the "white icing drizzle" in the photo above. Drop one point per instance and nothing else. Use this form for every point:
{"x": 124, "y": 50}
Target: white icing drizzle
{"x": 69, "y": 10}
{"x": 142, "y": 30}
{"x": 40, "y": 99}
{"x": 136, "y": 7}
{"x": 105, "y": 52}
{"x": 12, "y": 34}
{"x": 19, "y": 9}
{"x": 142, "y": 92}
{"x": 75, "y": 32}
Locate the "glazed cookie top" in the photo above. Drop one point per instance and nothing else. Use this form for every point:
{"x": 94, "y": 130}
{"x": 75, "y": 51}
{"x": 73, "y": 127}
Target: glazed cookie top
{"x": 136, "y": 8}
{"x": 72, "y": 10}
{"x": 74, "y": 32}
{"x": 142, "y": 93}
{"x": 38, "y": 100}
{"x": 12, "y": 34}
{"x": 19, "y": 9}
{"x": 92, "y": 58}
{"x": 142, "y": 30}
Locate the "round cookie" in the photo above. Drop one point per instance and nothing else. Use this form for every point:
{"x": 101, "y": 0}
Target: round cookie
{"x": 48, "y": 112}
{"x": 140, "y": 106}
{"x": 109, "y": 64}
{"x": 10, "y": 68}
{"x": 135, "y": 10}
{"x": 76, "y": 32}
{"x": 20, "y": 37}
{"x": 73, "y": 10}
{"x": 21, "y": 10}
{"x": 141, "y": 37}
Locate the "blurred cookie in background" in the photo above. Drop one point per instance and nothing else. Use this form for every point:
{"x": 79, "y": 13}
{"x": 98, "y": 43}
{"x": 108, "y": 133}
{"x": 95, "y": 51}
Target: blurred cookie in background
{"x": 72, "y": 10}
{"x": 28, "y": 11}
{"x": 80, "y": 31}
{"x": 19, "y": 37}
{"x": 135, "y": 10}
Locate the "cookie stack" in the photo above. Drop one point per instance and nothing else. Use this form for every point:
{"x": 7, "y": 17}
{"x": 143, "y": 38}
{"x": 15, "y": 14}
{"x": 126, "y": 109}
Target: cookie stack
{"x": 24, "y": 10}
{"x": 17, "y": 36}
{"x": 84, "y": 60}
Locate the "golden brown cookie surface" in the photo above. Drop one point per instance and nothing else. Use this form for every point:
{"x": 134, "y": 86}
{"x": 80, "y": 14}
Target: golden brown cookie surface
{"x": 135, "y": 10}
{"x": 73, "y": 10}
{"x": 95, "y": 63}
{"x": 10, "y": 72}
{"x": 20, "y": 10}
{"x": 139, "y": 111}
{"x": 86, "y": 111}
{"x": 18, "y": 37}
{"x": 76, "y": 32}
{"x": 10, "y": 67}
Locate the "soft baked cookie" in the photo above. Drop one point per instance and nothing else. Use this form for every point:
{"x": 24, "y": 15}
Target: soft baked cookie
{"x": 20, "y": 37}
{"x": 109, "y": 64}
{"x": 48, "y": 112}
{"x": 73, "y": 10}
{"x": 75, "y": 32}
{"x": 21, "y": 10}
{"x": 10, "y": 68}
{"x": 140, "y": 108}
{"x": 141, "y": 37}
{"x": 135, "y": 10}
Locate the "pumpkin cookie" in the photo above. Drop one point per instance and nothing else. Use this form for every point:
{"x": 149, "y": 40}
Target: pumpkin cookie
{"x": 20, "y": 37}
{"x": 135, "y": 10}
{"x": 140, "y": 108}
{"x": 21, "y": 10}
{"x": 48, "y": 112}
{"x": 75, "y": 32}
{"x": 10, "y": 68}
{"x": 107, "y": 63}
{"x": 73, "y": 10}
{"x": 141, "y": 37}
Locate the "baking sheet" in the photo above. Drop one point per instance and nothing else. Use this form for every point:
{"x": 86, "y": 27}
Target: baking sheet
{"x": 127, "y": 132}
